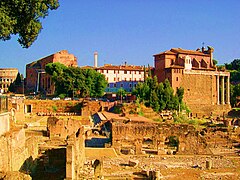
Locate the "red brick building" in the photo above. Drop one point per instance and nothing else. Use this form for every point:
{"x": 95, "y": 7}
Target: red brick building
{"x": 39, "y": 81}
{"x": 206, "y": 90}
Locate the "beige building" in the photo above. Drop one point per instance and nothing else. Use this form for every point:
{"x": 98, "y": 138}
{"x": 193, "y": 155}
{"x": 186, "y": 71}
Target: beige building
{"x": 122, "y": 76}
{"x": 7, "y": 76}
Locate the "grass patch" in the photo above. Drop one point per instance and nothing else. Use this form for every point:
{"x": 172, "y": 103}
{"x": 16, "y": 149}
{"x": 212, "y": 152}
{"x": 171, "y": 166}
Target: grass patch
{"x": 54, "y": 108}
{"x": 236, "y": 109}
{"x": 197, "y": 123}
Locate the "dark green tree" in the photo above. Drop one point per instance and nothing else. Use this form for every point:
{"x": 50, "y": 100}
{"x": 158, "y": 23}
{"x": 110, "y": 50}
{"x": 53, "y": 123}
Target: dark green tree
{"x": 159, "y": 96}
{"x": 235, "y": 92}
{"x": 215, "y": 62}
{"x": 234, "y": 65}
{"x": 180, "y": 93}
{"x": 77, "y": 82}
{"x": 121, "y": 93}
{"x": 154, "y": 101}
{"x": 160, "y": 93}
{"x": 23, "y": 17}
{"x": 15, "y": 84}
{"x": 234, "y": 68}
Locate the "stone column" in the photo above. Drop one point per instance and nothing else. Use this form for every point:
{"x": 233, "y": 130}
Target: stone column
{"x": 218, "y": 102}
{"x": 223, "y": 91}
{"x": 70, "y": 168}
{"x": 228, "y": 90}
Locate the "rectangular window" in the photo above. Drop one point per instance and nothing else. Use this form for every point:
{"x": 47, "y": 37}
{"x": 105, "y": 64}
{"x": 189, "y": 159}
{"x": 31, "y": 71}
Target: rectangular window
{"x": 176, "y": 78}
{"x": 125, "y": 72}
{"x": 130, "y": 85}
{"x": 114, "y": 79}
{"x": 114, "y": 85}
{"x": 125, "y": 79}
{"x": 121, "y": 85}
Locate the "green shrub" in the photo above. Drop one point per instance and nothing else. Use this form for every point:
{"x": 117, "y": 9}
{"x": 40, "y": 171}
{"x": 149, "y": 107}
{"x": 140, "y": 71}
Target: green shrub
{"x": 54, "y": 108}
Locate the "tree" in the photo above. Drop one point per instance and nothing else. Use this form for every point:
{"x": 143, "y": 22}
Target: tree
{"x": 235, "y": 92}
{"x": 16, "y": 84}
{"x": 121, "y": 93}
{"x": 215, "y": 62}
{"x": 234, "y": 65}
{"x": 159, "y": 96}
{"x": 234, "y": 68}
{"x": 154, "y": 101}
{"x": 22, "y": 17}
{"x": 77, "y": 82}
{"x": 180, "y": 92}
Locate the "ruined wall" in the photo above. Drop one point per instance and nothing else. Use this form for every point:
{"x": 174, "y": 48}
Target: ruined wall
{"x": 62, "y": 128}
{"x": 47, "y": 106}
{"x": 75, "y": 154}
{"x": 15, "y": 150}
{"x": 4, "y": 123}
{"x": 91, "y": 107}
{"x": 134, "y": 133}
{"x": 16, "y": 108}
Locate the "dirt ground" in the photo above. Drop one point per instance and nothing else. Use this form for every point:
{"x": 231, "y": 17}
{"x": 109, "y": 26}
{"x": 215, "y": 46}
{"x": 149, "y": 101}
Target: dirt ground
{"x": 171, "y": 167}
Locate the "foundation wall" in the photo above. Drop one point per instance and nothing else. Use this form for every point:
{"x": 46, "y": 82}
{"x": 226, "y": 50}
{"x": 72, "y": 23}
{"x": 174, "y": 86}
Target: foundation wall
{"x": 15, "y": 150}
{"x": 4, "y": 123}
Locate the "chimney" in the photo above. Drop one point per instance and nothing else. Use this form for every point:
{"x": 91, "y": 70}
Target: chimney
{"x": 95, "y": 59}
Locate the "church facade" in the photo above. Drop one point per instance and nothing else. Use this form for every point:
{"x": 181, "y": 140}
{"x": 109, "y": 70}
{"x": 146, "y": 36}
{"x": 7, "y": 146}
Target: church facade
{"x": 206, "y": 89}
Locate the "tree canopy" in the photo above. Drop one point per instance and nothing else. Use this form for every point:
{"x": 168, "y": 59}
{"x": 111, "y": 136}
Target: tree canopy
{"x": 234, "y": 65}
{"x": 159, "y": 96}
{"x": 234, "y": 68}
{"x": 15, "y": 84}
{"x": 22, "y": 17}
{"x": 74, "y": 81}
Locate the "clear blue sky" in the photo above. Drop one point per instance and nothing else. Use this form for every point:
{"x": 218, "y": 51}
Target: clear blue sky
{"x": 131, "y": 30}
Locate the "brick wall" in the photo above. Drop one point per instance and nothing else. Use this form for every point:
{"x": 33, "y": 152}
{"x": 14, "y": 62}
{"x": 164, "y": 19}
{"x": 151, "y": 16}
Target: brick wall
{"x": 46, "y": 106}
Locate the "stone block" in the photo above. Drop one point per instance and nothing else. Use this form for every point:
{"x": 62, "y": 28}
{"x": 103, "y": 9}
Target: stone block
{"x": 133, "y": 162}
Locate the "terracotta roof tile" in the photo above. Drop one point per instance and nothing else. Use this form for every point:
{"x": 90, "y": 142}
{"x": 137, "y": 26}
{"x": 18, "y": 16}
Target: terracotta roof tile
{"x": 122, "y": 67}
{"x": 166, "y": 52}
{"x": 183, "y": 51}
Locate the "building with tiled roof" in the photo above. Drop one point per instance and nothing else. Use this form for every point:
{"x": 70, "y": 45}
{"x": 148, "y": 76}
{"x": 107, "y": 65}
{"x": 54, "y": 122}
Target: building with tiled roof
{"x": 195, "y": 72}
{"x": 122, "y": 76}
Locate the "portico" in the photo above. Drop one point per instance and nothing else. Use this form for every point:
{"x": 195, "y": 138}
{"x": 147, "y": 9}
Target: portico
{"x": 223, "y": 88}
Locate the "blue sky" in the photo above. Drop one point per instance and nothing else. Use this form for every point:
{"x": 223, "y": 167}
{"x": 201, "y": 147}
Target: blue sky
{"x": 131, "y": 30}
